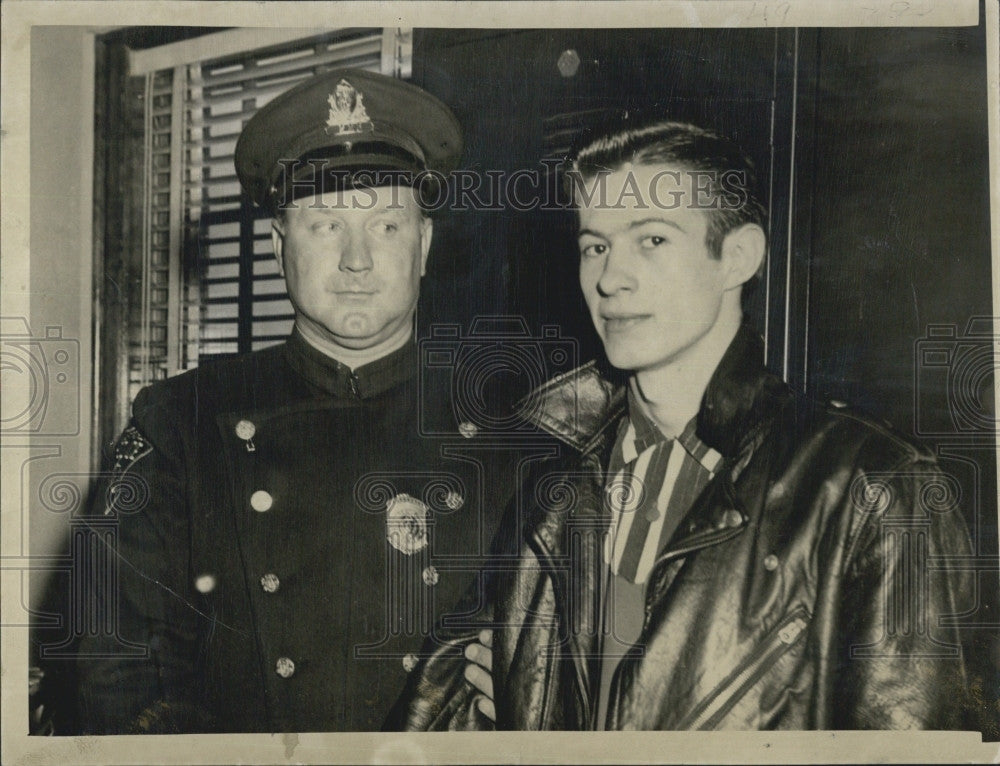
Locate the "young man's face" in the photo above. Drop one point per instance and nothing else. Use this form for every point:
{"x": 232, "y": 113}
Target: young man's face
{"x": 352, "y": 261}
{"x": 651, "y": 286}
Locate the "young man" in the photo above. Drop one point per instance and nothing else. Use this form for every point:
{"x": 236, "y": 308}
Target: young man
{"x": 724, "y": 554}
{"x": 294, "y": 533}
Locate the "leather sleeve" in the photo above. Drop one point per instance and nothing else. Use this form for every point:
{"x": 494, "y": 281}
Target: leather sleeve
{"x": 137, "y": 657}
{"x": 900, "y": 663}
{"x": 436, "y": 696}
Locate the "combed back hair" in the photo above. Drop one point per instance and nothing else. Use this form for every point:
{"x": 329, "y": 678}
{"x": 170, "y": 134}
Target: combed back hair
{"x": 685, "y": 147}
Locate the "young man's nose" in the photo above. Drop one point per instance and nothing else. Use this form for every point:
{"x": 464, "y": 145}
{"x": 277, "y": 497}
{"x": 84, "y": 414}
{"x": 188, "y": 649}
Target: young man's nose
{"x": 617, "y": 274}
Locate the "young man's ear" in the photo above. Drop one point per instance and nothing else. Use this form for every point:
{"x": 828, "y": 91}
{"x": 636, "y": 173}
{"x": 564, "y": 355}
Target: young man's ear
{"x": 426, "y": 233}
{"x": 277, "y": 242}
{"x": 743, "y": 252}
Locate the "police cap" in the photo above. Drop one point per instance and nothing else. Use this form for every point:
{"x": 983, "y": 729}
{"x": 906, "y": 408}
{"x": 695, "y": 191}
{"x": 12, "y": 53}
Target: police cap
{"x": 343, "y": 124}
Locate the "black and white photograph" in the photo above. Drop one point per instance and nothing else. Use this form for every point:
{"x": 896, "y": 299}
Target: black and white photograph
{"x": 393, "y": 382}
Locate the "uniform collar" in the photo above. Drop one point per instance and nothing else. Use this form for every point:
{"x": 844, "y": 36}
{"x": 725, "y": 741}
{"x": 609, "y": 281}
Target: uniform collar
{"x": 333, "y": 377}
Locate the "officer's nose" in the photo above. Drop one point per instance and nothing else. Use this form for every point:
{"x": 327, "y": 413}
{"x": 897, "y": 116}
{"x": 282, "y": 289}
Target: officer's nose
{"x": 355, "y": 256}
{"x": 617, "y": 274}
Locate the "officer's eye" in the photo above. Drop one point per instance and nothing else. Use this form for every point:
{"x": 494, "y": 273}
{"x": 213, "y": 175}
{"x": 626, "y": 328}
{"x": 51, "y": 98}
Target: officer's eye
{"x": 326, "y": 227}
{"x": 595, "y": 250}
{"x": 386, "y": 227}
{"x": 652, "y": 241}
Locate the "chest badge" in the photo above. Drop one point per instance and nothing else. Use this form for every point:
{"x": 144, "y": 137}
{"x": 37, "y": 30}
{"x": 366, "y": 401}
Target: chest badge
{"x": 406, "y": 524}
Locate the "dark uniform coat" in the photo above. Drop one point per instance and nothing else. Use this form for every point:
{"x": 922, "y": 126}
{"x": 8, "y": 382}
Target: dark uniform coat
{"x": 285, "y": 535}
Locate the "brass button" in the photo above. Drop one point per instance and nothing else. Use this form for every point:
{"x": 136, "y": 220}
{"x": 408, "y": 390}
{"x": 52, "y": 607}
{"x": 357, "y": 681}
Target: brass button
{"x": 430, "y": 575}
{"x": 205, "y": 583}
{"x": 409, "y": 662}
{"x": 468, "y": 429}
{"x": 261, "y": 501}
{"x": 771, "y": 563}
{"x": 454, "y": 501}
{"x": 270, "y": 582}
{"x": 245, "y": 430}
{"x": 284, "y": 667}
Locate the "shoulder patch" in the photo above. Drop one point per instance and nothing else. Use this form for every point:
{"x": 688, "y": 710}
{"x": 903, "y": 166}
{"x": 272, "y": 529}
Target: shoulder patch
{"x": 130, "y": 448}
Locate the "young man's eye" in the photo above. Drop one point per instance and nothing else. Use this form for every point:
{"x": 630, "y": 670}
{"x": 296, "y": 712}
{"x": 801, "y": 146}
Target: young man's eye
{"x": 652, "y": 241}
{"x": 593, "y": 251}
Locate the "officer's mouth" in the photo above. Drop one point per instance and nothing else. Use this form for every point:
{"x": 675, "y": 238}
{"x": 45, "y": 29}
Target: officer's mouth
{"x": 354, "y": 295}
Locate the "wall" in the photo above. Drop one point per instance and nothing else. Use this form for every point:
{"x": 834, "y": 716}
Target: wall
{"x": 61, "y": 267}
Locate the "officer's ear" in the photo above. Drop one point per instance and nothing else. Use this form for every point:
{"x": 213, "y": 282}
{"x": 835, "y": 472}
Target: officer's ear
{"x": 278, "y": 240}
{"x": 742, "y": 254}
{"x": 426, "y": 233}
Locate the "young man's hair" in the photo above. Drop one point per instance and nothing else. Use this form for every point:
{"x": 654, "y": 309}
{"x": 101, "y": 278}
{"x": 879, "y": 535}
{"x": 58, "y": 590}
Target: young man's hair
{"x": 725, "y": 172}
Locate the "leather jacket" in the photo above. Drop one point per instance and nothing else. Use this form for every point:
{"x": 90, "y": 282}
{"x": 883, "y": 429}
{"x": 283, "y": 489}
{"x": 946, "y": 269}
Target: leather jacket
{"x": 804, "y": 589}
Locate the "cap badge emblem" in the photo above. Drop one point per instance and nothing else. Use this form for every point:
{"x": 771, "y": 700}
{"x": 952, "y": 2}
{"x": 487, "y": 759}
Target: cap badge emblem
{"x": 406, "y": 524}
{"x": 347, "y": 111}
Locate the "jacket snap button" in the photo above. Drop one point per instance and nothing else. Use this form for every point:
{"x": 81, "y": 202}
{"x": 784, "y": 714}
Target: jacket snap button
{"x": 771, "y": 563}
{"x": 284, "y": 667}
{"x": 270, "y": 582}
{"x": 732, "y": 518}
{"x": 261, "y": 501}
{"x": 409, "y": 662}
{"x": 245, "y": 430}
{"x": 205, "y": 583}
{"x": 430, "y": 575}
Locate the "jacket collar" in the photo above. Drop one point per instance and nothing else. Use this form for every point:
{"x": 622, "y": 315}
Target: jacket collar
{"x": 581, "y": 407}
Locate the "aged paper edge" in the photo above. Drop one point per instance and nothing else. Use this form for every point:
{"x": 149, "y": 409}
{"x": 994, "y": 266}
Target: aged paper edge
{"x": 549, "y": 747}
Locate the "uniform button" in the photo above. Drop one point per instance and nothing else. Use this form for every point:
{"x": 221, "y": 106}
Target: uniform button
{"x": 454, "y": 501}
{"x": 245, "y": 430}
{"x": 467, "y": 429}
{"x": 430, "y": 575}
{"x": 409, "y": 662}
{"x": 284, "y": 667}
{"x": 732, "y": 518}
{"x": 270, "y": 582}
{"x": 771, "y": 563}
{"x": 838, "y": 404}
{"x": 205, "y": 583}
{"x": 261, "y": 501}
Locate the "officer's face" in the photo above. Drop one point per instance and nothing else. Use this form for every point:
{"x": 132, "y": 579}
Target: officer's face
{"x": 651, "y": 286}
{"x": 352, "y": 261}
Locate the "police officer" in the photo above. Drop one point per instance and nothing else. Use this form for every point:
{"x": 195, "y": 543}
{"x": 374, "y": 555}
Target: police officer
{"x": 286, "y": 526}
